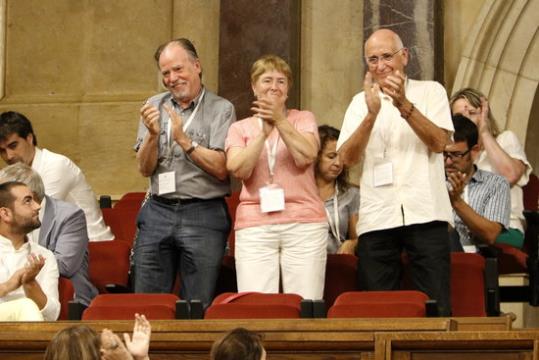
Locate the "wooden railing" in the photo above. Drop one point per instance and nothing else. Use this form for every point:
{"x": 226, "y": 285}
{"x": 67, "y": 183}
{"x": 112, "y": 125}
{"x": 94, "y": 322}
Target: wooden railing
{"x": 300, "y": 339}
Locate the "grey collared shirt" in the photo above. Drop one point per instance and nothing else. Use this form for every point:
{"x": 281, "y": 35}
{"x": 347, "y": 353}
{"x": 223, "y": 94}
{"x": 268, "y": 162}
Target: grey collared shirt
{"x": 208, "y": 128}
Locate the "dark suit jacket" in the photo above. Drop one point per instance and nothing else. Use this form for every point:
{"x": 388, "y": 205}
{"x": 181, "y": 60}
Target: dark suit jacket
{"x": 63, "y": 231}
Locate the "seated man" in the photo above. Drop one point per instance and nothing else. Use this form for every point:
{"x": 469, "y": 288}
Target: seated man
{"x": 480, "y": 199}
{"x": 27, "y": 270}
{"x": 62, "y": 178}
{"x": 62, "y": 231}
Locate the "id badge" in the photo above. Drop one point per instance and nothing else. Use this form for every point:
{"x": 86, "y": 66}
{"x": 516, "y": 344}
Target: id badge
{"x": 271, "y": 198}
{"x": 383, "y": 173}
{"x": 167, "y": 183}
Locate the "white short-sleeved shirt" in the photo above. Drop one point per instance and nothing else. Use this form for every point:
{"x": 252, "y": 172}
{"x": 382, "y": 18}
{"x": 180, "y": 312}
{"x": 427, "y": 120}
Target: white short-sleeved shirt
{"x": 418, "y": 193}
{"x": 64, "y": 180}
{"x": 12, "y": 260}
{"x": 509, "y": 142}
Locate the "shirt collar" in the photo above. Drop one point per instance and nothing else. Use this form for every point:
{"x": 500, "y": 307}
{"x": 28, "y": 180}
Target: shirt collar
{"x": 193, "y": 103}
{"x": 7, "y": 244}
{"x": 478, "y": 175}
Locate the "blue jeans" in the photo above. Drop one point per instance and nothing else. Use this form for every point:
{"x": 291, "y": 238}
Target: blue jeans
{"x": 189, "y": 239}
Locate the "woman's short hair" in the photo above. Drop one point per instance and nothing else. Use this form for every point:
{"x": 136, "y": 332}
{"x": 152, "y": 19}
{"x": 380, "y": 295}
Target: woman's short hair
{"x": 269, "y": 63}
{"x": 239, "y": 343}
{"x": 473, "y": 96}
{"x": 75, "y": 342}
{"x": 328, "y": 133}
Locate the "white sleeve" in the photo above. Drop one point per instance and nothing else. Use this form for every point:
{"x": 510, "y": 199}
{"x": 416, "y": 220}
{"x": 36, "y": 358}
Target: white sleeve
{"x": 48, "y": 280}
{"x": 438, "y": 110}
{"x": 59, "y": 176}
{"x": 509, "y": 142}
{"x": 353, "y": 118}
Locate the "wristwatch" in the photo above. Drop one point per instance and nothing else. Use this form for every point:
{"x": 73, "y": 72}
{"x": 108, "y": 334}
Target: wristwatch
{"x": 194, "y": 145}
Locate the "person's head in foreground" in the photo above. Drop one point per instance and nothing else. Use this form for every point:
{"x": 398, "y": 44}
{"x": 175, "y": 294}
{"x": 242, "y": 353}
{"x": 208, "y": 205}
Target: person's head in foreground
{"x": 238, "y": 344}
{"x": 83, "y": 343}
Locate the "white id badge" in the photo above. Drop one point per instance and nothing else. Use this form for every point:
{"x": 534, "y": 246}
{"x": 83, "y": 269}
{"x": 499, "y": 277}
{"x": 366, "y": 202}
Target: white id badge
{"x": 167, "y": 183}
{"x": 271, "y": 199}
{"x": 383, "y": 173}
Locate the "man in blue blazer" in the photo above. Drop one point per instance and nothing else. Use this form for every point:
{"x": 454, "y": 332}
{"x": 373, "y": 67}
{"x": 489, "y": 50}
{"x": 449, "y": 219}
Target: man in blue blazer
{"x": 63, "y": 231}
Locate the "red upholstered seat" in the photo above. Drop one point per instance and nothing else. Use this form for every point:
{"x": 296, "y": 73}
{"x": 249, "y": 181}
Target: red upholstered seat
{"x": 254, "y": 306}
{"x": 131, "y": 200}
{"x": 109, "y": 263}
{"x": 468, "y": 285}
{"x": 341, "y": 276}
{"x": 65, "y": 295}
{"x": 122, "y": 222}
{"x": 375, "y": 304}
{"x": 124, "y": 306}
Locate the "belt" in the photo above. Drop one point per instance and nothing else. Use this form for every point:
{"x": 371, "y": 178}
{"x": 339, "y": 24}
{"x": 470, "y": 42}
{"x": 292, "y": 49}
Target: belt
{"x": 168, "y": 201}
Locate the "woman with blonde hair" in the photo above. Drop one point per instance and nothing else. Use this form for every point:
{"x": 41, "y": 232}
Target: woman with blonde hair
{"x": 281, "y": 227}
{"x": 501, "y": 153}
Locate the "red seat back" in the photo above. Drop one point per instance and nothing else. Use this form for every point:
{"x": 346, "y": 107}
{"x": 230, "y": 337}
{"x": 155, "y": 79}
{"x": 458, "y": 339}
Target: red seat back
{"x": 131, "y": 200}
{"x": 108, "y": 263}
{"x": 122, "y": 222}
{"x": 369, "y": 304}
{"x": 66, "y": 292}
{"x": 468, "y": 284}
{"x": 341, "y": 276}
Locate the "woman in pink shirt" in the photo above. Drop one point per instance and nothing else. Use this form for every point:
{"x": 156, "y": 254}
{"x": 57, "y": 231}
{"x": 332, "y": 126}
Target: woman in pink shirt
{"x": 281, "y": 226}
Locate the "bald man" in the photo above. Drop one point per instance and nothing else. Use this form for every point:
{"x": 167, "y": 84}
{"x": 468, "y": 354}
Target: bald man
{"x": 399, "y": 127}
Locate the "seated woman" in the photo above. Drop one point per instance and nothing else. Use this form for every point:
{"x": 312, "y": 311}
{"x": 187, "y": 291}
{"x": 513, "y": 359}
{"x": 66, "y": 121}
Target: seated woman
{"x": 502, "y": 154}
{"x": 281, "y": 226}
{"x": 340, "y": 198}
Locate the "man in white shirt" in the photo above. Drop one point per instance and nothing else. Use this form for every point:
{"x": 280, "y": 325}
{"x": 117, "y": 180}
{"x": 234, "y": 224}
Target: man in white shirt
{"x": 27, "y": 270}
{"x": 399, "y": 127}
{"x": 63, "y": 179}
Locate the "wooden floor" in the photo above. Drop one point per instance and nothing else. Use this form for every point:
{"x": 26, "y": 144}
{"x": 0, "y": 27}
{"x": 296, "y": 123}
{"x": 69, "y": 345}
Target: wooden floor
{"x": 424, "y": 338}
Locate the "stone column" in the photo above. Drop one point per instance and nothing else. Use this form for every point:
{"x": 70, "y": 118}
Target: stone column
{"x": 420, "y": 26}
{"x": 249, "y": 30}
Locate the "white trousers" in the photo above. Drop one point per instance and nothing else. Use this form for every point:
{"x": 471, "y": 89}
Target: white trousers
{"x": 297, "y": 250}
{"x": 22, "y": 309}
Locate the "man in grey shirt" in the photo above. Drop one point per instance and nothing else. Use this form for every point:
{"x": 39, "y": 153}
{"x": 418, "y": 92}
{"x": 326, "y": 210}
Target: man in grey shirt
{"x": 184, "y": 225}
{"x": 480, "y": 199}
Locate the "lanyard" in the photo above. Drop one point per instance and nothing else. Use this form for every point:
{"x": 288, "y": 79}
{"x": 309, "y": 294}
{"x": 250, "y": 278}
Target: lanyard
{"x": 271, "y": 151}
{"x": 334, "y": 222}
{"x": 187, "y": 123}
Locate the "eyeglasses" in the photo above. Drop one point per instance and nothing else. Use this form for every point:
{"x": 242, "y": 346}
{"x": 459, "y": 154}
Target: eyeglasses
{"x": 455, "y": 154}
{"x": 373, "y": 60}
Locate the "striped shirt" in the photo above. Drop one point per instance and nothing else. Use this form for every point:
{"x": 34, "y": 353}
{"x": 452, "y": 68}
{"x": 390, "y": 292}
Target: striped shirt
{"x": 489, "y": 196}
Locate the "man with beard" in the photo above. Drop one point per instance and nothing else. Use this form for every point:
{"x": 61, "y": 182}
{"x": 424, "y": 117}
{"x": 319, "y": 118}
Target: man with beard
{"x": 184, "y": 225}
{"x": 62, "y": 231}
{"x": 481, "y": 200}
{"x": 27, "y": 271}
